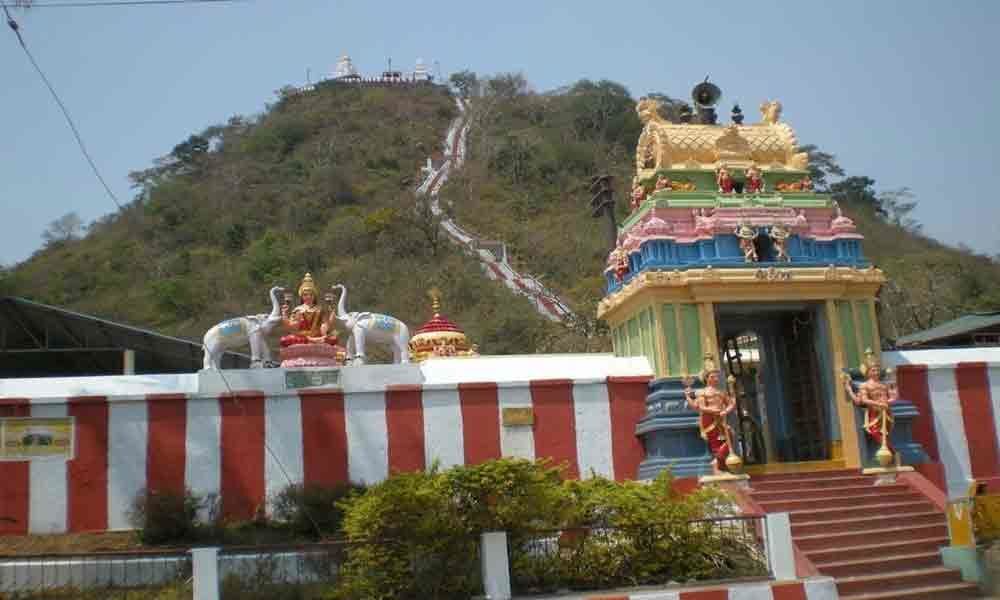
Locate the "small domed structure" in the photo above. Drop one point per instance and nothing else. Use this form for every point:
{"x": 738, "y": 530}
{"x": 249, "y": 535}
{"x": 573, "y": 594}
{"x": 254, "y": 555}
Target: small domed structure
{"x": 439, "y": 337}
{"x": 344, "y": 68}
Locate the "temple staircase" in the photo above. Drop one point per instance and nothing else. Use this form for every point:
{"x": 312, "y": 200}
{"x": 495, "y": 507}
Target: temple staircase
{"x": 877, "y": 542}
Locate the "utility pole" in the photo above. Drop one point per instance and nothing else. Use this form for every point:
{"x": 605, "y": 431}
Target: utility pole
{"x": 603, "y": 203}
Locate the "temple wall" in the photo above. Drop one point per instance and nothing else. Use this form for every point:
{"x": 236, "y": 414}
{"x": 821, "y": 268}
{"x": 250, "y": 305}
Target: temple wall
{"x": 246, "y": 435}
{"x": 958, "y": 395}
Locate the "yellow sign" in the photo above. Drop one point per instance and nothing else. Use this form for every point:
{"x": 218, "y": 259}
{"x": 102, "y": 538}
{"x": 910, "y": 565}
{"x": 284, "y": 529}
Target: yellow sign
{"x": 513, "y": 417}
{"x": 29, "y": 438}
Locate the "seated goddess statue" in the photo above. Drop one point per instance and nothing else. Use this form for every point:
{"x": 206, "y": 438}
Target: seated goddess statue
{"x": 309, "y": 322}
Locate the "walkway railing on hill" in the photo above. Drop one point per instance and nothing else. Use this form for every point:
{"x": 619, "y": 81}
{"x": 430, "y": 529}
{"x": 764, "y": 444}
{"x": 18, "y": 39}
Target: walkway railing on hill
{"x": 493, "y": 263}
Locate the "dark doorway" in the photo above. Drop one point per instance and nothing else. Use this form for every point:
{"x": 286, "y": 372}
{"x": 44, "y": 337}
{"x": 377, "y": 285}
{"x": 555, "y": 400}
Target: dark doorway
{"x": 772, "y": 352}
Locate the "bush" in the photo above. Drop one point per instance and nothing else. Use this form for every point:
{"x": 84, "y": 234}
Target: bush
{"x": 313, "y": 511}
{"x": 162, "y": 516}
{"x": 600, "y": 533}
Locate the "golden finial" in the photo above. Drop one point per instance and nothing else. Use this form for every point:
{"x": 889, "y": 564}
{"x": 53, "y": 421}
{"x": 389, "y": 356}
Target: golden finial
{"x": 435, "y": 295}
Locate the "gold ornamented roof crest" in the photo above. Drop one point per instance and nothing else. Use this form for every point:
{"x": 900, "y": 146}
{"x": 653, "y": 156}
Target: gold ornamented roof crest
{"x": 771, "y": 144}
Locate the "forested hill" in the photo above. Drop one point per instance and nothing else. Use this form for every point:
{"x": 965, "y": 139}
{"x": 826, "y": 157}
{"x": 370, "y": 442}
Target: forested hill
{"x": 322, "y": 181}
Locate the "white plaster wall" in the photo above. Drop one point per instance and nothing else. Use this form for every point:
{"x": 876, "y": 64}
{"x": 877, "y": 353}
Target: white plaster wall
{"x": 128, "y": 435}
{"x": 283, "y": 462}
{"x": 203, "y": 467}
{"x": 592, "y": 412}
{"x": 367, "y": 437}
{"x": 48, "y": 488}
{"x": 950, "y": 430}
{"x": 443, "y": 435}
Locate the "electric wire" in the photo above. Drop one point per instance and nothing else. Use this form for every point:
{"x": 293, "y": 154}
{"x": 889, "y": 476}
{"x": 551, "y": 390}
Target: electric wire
{"x": 76, "y": 133}
{"x": 106, "y": 3}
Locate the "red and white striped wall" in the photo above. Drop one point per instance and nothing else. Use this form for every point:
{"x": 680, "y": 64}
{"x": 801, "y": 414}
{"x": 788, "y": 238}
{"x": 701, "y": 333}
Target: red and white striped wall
{"x": 250, "y": 443}
{"x": 958, "y": 395}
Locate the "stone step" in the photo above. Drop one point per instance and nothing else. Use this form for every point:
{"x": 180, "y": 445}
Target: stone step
{"x": 847, "y": 512}
{"x": 866, "y": 565}
{"x": 811, "y": 483}
{"x": 866, "y": 523}
{"x": 898, "y": 580}
{"x": 951, "y": 591}
{"x": 876, "y": 550}
{"x": 792, "y": 504}
{"x": 804, "y": 475}
{"x": 865, "y": 489}
{"x": 899, "y": 533}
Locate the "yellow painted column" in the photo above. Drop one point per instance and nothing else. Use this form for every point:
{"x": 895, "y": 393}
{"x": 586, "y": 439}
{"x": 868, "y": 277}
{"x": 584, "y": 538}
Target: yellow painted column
{"x": 876, "y": 333}
{"x": 845, "y": 409}
{"x": 709, "y": 334}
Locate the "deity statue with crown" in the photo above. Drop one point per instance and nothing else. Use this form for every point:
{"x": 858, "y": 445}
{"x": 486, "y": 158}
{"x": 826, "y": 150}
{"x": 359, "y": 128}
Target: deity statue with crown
{"x": 875, "y": 396}
{"x": 713, "y": 406}
{"x": 312, "y": 341}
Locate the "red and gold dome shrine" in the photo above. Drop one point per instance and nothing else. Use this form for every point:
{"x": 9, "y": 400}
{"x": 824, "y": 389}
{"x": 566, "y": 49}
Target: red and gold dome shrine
{"x": 439, "y": 337}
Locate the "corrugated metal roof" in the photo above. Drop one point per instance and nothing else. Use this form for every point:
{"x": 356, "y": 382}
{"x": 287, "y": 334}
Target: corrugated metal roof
{"x": 38, "y": 340}
{"x": 960, "y": 326}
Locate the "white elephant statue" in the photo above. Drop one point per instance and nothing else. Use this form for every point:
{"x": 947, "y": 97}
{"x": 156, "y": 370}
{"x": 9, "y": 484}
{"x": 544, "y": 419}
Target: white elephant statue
{"x": 365, "y": 326}
{"x": 236, "y": 332}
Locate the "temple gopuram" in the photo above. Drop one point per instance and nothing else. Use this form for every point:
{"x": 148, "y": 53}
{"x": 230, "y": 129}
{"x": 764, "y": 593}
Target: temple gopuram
{"x": 729, "y": 255}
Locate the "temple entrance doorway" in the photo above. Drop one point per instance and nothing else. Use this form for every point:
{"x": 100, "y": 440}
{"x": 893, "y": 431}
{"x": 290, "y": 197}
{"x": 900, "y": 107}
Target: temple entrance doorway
{"x": 774, "y": 352}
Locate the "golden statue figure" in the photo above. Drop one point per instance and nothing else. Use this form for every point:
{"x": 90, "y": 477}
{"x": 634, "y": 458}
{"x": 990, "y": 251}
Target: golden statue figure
{"x": 309, "y": 321}
{"x": 713, "y": 406}
{"x": 875, "y": 396}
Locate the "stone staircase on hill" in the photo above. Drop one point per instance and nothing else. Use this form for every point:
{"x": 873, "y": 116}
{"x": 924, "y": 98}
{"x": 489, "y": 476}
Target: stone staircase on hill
{"x": 877, "y": 542}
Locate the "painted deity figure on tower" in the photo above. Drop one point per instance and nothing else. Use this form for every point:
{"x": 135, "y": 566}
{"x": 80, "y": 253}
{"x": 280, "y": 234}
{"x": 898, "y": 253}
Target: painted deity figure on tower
{"x": 755, "y": 182}
{"x": 725, "y": 181}
{"x": 747, "y": 234}
{"x": 638, "y": 195}
{"x": 309, "y": 321}
{"x": 662, "y": 183}
{"x": 713, "y": 406}
{"x": 875, "y": 396}
{"x": 779, "y": 235}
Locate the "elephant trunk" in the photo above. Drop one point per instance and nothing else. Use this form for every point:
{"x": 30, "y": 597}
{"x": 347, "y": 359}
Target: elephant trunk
{"x": 275, "y": 303}
{"x": 342, "y": 303}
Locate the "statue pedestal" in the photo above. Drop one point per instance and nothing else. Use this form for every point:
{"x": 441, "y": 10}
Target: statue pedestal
{"x": 886, "y": 475}
{"x": 312, "y": 355}
{"x": 742, "y": 480}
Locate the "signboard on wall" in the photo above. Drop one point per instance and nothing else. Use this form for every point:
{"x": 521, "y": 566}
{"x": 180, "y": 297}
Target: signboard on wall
{"x": 36, "y": 438}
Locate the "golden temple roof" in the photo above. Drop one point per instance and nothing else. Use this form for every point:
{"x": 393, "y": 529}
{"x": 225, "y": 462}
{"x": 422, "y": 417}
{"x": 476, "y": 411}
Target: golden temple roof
{"x": 770, "y": 145}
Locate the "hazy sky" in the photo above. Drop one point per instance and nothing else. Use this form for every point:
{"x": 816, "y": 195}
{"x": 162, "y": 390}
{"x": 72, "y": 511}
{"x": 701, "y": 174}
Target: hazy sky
{"x": 906, "y": 92}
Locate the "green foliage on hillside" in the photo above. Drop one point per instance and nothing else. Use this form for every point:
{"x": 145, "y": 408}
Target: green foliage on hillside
{"x": 322, "y": 181}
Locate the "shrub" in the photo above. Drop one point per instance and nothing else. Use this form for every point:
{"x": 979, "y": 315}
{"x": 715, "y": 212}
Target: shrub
{"x": 313, "y": 511}
{"x": 413, "y": 542}
{"x": 165, "y": 517}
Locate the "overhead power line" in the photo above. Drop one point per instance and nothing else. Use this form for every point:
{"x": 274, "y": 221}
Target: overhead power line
{"x": 79, "y": 140}
{"x": 96, "y": 3}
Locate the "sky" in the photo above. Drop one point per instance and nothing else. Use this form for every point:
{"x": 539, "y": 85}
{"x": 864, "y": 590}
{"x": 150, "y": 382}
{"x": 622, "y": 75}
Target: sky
{"x": 905, "y": 92}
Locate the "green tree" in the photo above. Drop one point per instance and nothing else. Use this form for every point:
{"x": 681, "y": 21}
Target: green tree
{"x": 465, "y": 82}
